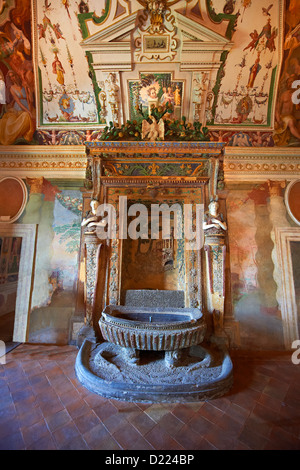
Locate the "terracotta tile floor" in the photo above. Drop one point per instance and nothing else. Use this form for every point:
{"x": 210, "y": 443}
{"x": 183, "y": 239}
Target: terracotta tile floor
{"x": 43, "y": 406}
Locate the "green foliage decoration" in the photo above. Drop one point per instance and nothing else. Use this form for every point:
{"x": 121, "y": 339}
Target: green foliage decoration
{"x": 180, "y": 129}
{"x": 176, "y": 130}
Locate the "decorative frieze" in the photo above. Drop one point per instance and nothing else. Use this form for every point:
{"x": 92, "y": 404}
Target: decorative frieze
{"x": 261, "y": 164}
{"x": 50, "y": 161}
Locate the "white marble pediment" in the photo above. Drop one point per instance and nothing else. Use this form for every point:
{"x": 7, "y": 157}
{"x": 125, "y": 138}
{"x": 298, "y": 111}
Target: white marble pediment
{"x": 121, "y": 43}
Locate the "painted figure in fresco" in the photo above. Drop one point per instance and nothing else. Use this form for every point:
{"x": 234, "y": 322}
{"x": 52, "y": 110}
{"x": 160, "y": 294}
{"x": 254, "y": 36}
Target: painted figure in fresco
{"x": 41, "y": 31}
{"x": 58, "y": 31}
{"x": 254, "y": 69}
{"x": 152, "y": 93}
{"x": 15, "y": 48}
{"x": 58, "y": 69}
{"x": 291, "y": 44}
{"x": 270, "y": 44}
{"x": 243, "y": 109}
{"x": 18, "y": 121}
{"x": 252, "y": 43}
{"x": 287, "y": 123}
{"x": 66, "y": 105}
{"x": 20, "y": 43}
{"x": 42, "y": 27}
{"x": 164, "y": 95}
{"x": 177, "y": 96}
{"x": 18, "y": 93}
{"x": 266, "y": 31}
{"x": 168, "y": 95}
{"x": 292, "y": 15}
{"x": 213, "y": 220}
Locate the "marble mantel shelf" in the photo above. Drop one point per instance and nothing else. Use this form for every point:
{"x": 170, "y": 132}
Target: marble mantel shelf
{"x": 163, "y": 159}
{"x": 162, "y": 147}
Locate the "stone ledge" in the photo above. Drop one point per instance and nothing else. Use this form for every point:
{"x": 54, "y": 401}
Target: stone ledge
{"x": 261, "y": 163}
{"x": 50, "y": 161}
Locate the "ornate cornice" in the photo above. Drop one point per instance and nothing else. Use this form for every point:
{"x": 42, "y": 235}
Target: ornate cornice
{"x": 208, "y": 148}
{"x": 50, "y": 161}
{"x": 261, "y": 163}
{"x": 156, "y": 181}
{"x": 67, "y": 161}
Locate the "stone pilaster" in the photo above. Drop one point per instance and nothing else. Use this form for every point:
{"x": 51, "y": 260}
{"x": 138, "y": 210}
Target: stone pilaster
{"x": 215, "y": 256}
{"x": 92, "y": 246}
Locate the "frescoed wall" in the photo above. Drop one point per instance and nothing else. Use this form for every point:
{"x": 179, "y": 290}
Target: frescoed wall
{"x": 249, "y": 74}
{"x": 251, "y": 222}
{"x": 48, "y": 81}
{"x": 56, "y": 208}
{"x": 17, "y": 96}
{"x": 66, "y": 92}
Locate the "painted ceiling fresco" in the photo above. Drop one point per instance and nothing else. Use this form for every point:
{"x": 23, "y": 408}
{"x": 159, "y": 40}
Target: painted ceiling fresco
{"x": 50, "y": 89}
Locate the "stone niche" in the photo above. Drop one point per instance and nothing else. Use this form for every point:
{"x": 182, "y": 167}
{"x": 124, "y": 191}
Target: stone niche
{"x": 154, "y": 306}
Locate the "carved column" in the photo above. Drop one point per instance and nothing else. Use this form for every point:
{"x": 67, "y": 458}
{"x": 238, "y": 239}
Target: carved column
{"x": 215, "y": 254}
{"x": 92, "y": 251}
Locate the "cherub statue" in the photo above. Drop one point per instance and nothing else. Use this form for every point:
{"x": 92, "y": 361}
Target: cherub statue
{"x": 154, "y": 130}
{"x": 214, "y": 220}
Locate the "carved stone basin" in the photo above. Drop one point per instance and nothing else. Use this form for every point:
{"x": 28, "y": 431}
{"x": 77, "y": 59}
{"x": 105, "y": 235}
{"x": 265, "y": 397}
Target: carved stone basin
{"x": 154, "y": 329}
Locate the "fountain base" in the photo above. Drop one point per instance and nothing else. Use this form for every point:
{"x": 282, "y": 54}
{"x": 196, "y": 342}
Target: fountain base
{"x": 204, "y": 372}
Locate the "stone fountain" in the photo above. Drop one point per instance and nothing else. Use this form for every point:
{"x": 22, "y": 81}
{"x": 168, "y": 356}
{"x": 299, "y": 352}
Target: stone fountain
{"x": 154, "y": 354}
{"x": 149, "y": 344}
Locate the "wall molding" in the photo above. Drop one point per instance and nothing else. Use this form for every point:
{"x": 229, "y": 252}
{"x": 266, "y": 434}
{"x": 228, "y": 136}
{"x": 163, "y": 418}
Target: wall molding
{"x": 28, "y": 233}
{"x": 14, "y": 217}
{"x": 257, "y": 164}
{"x": 286, "y": 294}
{"x": 69, "y": 161}
{"x": 50, "y": 161}
{"x": 287, "y": 201}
